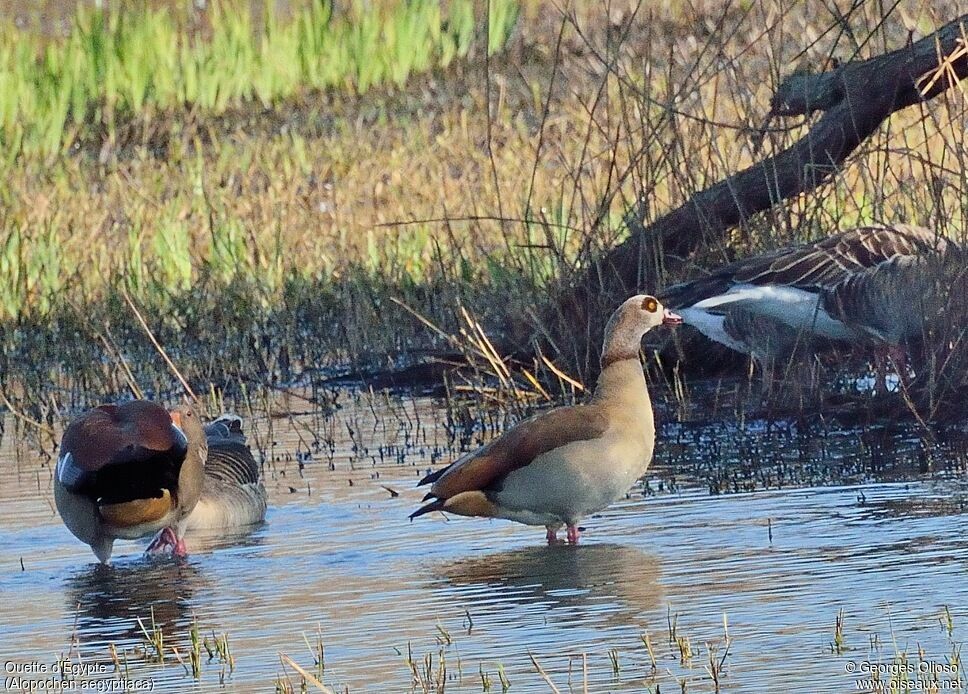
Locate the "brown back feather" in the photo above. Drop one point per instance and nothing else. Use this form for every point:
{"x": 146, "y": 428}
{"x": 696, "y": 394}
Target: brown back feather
{"x": 834, "y": 259}
{"x": 97, "y": 436}
{"x": 518, "y": 447}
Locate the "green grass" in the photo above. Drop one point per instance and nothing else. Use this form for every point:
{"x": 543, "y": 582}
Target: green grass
{"x": 116, "y": 65}
{"x": 263, "y": 186}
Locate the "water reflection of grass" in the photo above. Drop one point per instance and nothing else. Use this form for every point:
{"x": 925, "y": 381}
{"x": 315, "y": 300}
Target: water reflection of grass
{"x": 620, "y": 632}
{"x": 192, "y": 656}
{"x": 894, "y": 668}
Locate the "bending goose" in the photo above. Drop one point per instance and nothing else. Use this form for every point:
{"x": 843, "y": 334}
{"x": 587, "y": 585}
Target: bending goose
{"x": 207, "y": 480}
{"x": 873, "y": 285}
{"x": 768, "y": 342}
{"x": 127, "y": 471}
{"x": 561, "y": 465}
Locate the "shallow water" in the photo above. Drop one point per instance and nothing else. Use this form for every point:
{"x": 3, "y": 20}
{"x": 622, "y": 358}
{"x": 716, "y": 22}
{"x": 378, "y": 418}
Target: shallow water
{"x": 871, "y": 523}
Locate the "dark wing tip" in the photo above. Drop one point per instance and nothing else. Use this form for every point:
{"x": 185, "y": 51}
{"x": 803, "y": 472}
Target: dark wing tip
{"x": 434, "y": 505}
{"x": 431, "y": 477}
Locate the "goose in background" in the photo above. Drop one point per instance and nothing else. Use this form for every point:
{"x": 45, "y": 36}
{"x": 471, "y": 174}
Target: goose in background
{"x": 561, "y": 465}
{"x": 130, "y": 470}
{"x": 773, "y": 345}
{"x": 233, "y": 495}
{"x": 875, "y": 286}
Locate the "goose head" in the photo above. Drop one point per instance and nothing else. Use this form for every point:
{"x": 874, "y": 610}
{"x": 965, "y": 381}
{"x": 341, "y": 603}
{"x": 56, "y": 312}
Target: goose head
{"x": 630, "y": 321}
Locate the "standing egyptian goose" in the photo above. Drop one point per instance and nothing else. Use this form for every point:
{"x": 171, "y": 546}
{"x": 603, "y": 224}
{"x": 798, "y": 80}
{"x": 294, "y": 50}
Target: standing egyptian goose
{"x": 559, "y": 466}
{"x": 870, "y": 286}
{"x": 127, "y": 471}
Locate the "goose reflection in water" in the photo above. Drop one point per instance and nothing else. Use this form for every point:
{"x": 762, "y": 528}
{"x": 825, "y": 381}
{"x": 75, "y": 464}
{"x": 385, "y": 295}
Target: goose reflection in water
{"x": 109, "y": 599}
{"x": 234, "y": 539}
{"x": 583, "y": 578}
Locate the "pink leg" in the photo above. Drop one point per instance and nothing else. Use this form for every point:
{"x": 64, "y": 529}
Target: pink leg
{"x": 880, "y": 371}
{"x": 573, "y": 535}
{"x": 167, "y": 539}
{"x": 551, "y": 535}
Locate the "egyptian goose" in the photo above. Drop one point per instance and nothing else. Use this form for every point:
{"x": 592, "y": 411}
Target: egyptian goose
{"x": 129, "y": 470}
{"x": 154, "y": 471}
{"x": 564, "y": 464}
{"x": 875, "y": 286}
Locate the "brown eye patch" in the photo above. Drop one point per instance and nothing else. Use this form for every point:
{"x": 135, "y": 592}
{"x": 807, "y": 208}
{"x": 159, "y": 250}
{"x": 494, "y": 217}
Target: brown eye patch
{"x": 650, "y": 305}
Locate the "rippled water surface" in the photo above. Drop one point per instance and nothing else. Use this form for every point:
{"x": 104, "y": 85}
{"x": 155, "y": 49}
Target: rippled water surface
{"x": 741, "y": 550}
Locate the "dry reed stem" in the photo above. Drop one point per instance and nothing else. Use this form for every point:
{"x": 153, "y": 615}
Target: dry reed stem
{"x": 161, "y": 350}
{"x": 544, "y": 675}
{"x": 305, "y": 674}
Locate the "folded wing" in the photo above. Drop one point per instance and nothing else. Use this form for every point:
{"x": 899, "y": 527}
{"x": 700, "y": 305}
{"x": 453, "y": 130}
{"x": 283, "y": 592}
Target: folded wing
{"x": 484, "y": 469}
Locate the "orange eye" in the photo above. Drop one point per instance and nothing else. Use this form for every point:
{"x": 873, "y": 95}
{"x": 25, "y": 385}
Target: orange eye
{"x": 650, "y": 305}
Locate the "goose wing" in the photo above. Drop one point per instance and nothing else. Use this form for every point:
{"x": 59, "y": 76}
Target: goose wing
{"x": 485, "y": 468}
{"x": 117, "y": 445}
{"x": 835, "y": 259}
{"x": 813, "y": 267}
{"x": 229, "y": 457}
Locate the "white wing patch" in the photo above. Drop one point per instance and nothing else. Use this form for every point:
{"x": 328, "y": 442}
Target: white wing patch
{"x": 67, "y": 472}
{"x": 798, "y": 308}
{"x": 711, "y": 325}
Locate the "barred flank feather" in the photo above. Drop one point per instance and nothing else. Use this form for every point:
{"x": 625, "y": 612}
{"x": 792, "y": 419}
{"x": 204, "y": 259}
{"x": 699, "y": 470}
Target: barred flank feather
{"x": 233, "y": 494}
